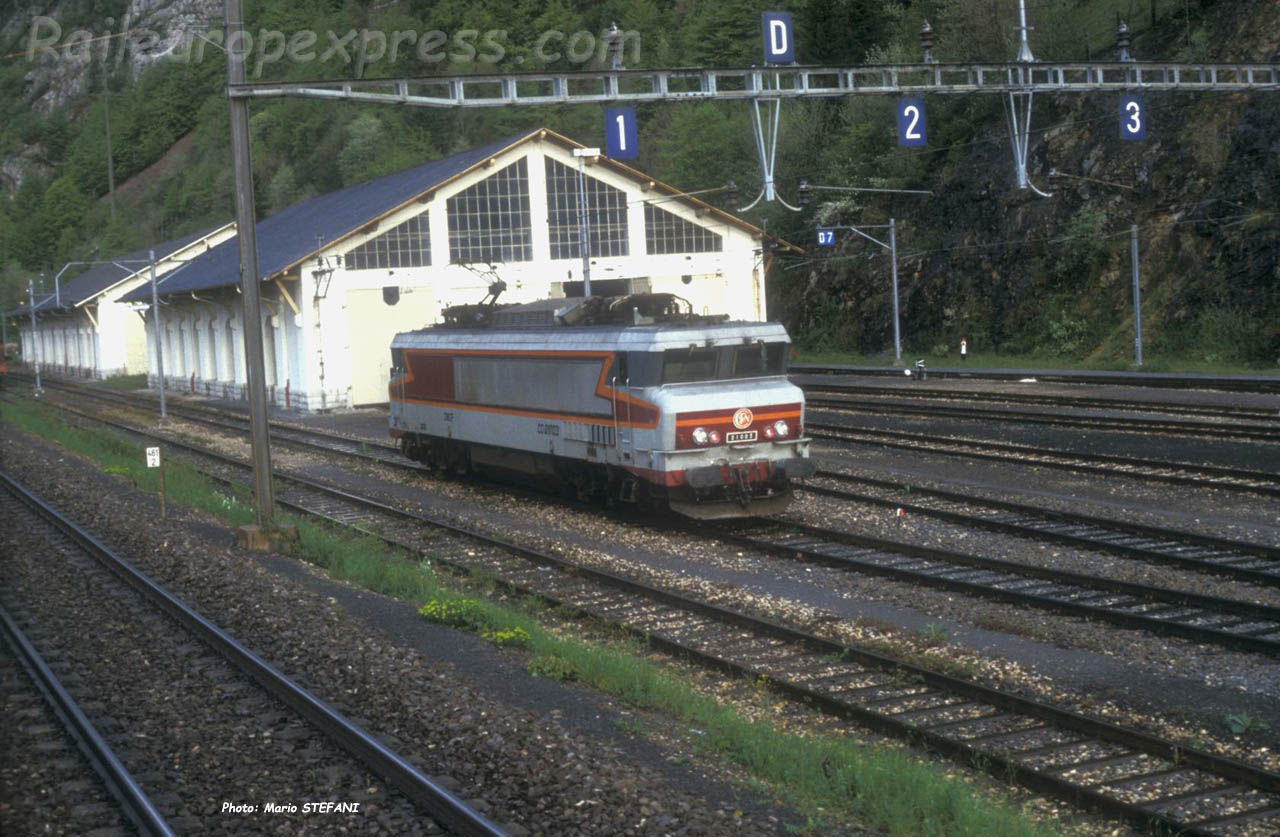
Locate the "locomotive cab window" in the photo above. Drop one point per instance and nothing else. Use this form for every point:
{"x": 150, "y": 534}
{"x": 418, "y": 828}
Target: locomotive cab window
{"x": 758, "y": 360}
{"x": 681, "y": 366}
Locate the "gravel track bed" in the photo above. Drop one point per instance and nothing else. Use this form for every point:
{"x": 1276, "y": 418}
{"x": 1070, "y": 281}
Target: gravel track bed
{"x": 516, "y": 767}
{"x": 903, "y": 386}
{"x": 1119, "y": 675}
{"x": 1212, "y": 512}
{"x": 50, "y": 788}
{"x": 1222, "y": 513}
{"x": 923, "y": 530}
{"x": 1161, "y": 447}
{"x": 194, "y": 732}
{"x": 1164, "y": 685}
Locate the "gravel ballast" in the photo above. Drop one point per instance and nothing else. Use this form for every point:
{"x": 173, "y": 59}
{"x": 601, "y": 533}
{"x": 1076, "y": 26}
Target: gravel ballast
{"x": 535, "y": 773}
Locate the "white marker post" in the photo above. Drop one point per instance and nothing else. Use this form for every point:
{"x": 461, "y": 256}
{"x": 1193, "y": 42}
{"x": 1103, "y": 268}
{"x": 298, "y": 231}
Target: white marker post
{"x": 154, "y": 461}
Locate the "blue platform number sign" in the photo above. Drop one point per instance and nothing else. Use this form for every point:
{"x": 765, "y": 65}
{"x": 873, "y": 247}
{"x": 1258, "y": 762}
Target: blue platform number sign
{"x": 826, "y": 237}
{"x": 1133, "y": 117}
{"x": 779, "y": 47}
{"x": 620, "y": 133}
{"x": 911, "y": 122}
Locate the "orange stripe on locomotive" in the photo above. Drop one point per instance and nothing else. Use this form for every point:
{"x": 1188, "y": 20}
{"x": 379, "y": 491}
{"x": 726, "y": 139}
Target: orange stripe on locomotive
{"x": 429, "y": 381}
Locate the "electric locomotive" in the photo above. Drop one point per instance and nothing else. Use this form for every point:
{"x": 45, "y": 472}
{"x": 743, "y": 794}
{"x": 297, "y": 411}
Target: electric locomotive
{"x": 631, "y": 399}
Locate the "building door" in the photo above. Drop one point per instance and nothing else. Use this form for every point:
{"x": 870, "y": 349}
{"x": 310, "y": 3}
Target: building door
{"x": 373, "y": 318}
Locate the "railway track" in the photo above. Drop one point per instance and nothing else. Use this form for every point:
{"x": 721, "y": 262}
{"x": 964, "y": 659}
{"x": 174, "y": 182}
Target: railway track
{"x": 1164, "y": 380}
{"x": 920, "y": 393}
{"x": 1156, "y": 784}
{"x": 1132, "y": 424}
{"x": 1227, "y": 622}
{"x": 1243, "y": 561}
{"x": 427, "y": 795}
{"x": 1177, "y": 473}
{"x": 24, "y": 696}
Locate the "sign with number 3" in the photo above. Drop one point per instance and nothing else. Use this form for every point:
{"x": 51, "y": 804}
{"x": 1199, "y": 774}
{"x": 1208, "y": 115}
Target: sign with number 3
{"x": 1133, "y": 117}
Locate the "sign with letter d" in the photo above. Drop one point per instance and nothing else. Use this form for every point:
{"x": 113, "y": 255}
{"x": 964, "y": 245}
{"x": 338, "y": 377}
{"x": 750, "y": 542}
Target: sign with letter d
{"x": 779, "y": 47}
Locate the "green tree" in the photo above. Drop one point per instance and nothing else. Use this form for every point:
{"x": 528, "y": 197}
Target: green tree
{"x": 360, "y": 150}
{"x": 839, "y": 31}
{"x": 61, "y": 213}
{"x": 32, "y": 241}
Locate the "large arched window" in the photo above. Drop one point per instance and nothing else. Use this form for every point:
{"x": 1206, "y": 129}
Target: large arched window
{"x": 489, "y": 222}
{"x": 404, "y": 245}
{"x": 666, "y": 233}
{"x": 606, "y": 214}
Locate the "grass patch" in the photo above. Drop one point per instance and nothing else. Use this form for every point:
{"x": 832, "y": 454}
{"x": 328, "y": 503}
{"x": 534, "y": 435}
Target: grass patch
{"x": 125, "y": 382}
{"x": 829, "y": 778}
{"x": 126, "y": 458}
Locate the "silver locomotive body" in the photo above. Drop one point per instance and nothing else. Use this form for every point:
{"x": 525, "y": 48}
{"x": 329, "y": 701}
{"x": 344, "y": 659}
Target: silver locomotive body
{"x": 687, "y": 412}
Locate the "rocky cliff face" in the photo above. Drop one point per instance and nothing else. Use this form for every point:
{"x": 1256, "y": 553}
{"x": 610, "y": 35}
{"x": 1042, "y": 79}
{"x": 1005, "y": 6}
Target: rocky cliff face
{"x": 1014, "y": 271}
{"x": 72, "y": 50}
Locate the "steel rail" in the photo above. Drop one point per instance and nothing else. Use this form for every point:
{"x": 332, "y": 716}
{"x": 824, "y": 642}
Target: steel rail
{"x": 933, "y": 576}
{"x": 927, "y": 394}
{"x": 1121, "y": 423}
{"x": 1168, "y": 380}
{"x": 229, "y": 418}
{"x": 1209, "y": 476}
{"x": 1174, "y": 538}
{"x": 985, "y": 752}
{"x": 134, "y": 803}
{"x": 1110, "y": 613}
{"x": 998, "y": 762}
{"x": 437, "y": 801}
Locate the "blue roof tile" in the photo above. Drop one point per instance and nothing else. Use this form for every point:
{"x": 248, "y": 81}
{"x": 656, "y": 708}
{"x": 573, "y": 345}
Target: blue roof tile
{"x": 100, "y": 277}
{"x": 290, "y": 235}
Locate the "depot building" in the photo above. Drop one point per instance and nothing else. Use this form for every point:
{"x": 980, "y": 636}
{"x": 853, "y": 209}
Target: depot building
{"x": 342, "y": 273}
{"x": 83, "y": 329}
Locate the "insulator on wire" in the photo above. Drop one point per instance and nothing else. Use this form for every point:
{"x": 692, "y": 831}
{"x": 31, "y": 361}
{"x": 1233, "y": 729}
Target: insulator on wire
{"x": 614, "y": 39}
{"x": 1123, "y": 41}
{"x": 926, "y": 43}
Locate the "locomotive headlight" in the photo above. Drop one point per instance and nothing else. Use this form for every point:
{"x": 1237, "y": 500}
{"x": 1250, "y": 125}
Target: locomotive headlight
{"x": 714, "y": 437}
{"x": 780, "y": 427}
{"x": 699, "y": 435}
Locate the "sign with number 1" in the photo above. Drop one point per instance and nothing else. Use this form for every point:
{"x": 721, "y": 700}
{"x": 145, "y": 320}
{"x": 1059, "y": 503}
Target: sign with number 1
{"x": 620, "y": 133}
{"x": 911, "y": 122}
{"x": 1133, "y": 117}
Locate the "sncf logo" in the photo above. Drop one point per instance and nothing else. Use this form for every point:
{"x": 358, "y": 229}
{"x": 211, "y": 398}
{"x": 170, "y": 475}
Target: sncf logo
{"x": 742, "y": 419}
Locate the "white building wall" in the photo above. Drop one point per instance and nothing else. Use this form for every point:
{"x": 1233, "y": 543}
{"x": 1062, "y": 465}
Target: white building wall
{"x": 314, "y": 349}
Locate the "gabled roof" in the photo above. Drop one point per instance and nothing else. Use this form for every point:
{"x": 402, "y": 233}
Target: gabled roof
{"x": 670, "y": 192}
{"x": 290, "y": 236}
{"x": 102, "y": 277}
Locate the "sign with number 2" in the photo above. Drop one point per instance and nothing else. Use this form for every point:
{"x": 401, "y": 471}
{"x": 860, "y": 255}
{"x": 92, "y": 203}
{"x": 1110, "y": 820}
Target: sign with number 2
{"x": 911, "y": 122}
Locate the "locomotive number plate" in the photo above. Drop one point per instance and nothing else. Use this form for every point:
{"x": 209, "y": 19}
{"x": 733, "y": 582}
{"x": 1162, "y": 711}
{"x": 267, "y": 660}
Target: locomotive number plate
{"x": 744, "y": 436}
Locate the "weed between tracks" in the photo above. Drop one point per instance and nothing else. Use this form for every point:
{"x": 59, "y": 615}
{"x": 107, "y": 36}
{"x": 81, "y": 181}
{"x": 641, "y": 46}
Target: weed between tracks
{"x": 829, "y": 779}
